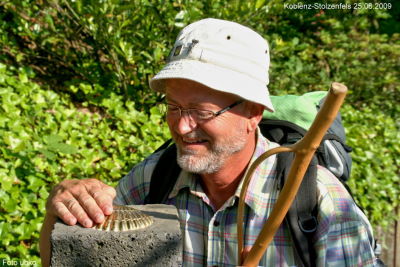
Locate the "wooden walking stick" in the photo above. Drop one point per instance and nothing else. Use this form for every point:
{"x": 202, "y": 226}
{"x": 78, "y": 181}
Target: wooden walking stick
{"x": 304, "y": 151}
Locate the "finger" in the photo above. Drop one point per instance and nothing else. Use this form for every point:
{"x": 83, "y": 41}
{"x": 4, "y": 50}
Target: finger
{"x": 89, "y": 204}
{"x": 110, "y": 190}
{"x": 112, "y": 194}
{"x": 104, "y": 197}
{"x": 63, "y": 213}
{"x": 78, "y": 212}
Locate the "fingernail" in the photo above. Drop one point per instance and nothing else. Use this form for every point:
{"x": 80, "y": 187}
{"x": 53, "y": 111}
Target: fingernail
{"x": 71, "y": 221}
{"x": 99, "y": 218}
{"x": 108, "y": 210}
{"x": 87, "y": 223}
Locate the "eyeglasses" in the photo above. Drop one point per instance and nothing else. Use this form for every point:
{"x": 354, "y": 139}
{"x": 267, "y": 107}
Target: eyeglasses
{"x": 198, "y": 115}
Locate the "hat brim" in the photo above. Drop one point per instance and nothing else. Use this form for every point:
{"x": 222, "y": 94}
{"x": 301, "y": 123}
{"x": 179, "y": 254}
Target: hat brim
{"x": 214, "y": 77}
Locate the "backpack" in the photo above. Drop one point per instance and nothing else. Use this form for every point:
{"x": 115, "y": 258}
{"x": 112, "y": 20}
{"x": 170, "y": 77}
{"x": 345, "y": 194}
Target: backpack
{"x": 292, "y": 117}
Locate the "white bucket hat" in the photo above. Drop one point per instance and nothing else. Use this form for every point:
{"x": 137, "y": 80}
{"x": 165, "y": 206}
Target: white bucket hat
{"x": 222, "y": 55}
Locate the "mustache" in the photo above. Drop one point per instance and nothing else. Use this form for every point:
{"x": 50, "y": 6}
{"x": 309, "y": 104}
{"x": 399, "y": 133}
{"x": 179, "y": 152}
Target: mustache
{"x": 196, "y": 135}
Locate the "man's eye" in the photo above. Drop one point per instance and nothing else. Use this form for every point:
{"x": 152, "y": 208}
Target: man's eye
{"x": 204, "y": 114}
{"x": 172, "y": 108}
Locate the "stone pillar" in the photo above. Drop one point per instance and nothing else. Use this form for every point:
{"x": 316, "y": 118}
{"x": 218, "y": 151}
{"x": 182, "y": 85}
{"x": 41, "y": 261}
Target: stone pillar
{"x": 157, "y": 245}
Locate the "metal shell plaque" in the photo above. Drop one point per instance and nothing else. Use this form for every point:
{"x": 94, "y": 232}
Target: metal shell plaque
{"x": 123, "y": 219}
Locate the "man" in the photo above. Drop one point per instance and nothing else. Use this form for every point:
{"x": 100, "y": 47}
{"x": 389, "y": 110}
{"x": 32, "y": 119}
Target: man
{"x": 215, "y": 87}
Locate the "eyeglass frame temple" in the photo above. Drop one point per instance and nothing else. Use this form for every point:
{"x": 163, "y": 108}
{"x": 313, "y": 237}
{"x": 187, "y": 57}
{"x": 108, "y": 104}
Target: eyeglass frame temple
{"x": 228, "y": 107}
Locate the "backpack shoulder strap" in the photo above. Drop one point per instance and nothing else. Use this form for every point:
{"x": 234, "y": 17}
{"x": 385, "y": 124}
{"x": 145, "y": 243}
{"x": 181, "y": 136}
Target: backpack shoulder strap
{"x": 280, "y": 131}
{"x": 164, "y": 175}
{"x": 301, "y": 217}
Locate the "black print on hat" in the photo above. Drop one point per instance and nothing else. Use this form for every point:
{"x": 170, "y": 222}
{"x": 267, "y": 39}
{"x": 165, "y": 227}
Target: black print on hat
{"x": 177, "y": 50}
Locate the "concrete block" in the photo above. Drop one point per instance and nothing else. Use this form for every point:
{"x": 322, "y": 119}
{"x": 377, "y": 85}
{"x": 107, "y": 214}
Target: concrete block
{"x": 160, "y": 244}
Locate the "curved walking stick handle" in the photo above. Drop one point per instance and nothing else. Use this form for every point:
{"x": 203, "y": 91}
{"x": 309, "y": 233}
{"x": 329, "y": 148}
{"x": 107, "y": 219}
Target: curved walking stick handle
{"x": 304, "y": 151}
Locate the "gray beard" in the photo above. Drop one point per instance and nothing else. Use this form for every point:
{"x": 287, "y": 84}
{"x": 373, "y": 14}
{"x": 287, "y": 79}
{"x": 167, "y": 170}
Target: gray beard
{"x": 215, "y": 158}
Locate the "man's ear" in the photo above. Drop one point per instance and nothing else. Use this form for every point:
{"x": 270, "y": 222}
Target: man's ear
{"x": 254, "y": 115}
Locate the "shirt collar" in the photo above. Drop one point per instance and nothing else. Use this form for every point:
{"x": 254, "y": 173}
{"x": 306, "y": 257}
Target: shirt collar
{"x": 185, "y": 180}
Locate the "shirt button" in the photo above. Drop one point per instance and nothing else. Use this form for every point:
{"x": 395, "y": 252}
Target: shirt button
{"x": 216, "y": 223}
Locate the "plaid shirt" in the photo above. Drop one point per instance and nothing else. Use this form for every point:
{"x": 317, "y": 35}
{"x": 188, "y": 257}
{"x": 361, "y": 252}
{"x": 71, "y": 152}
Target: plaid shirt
{"x": 210, "y": 239}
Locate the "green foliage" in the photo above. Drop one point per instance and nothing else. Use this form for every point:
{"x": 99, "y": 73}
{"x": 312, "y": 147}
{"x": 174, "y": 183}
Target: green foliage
{"x": 45, "y": 139}
{"x": 375, "y": 139}
{"x": 363, "y": 62}
{"x": 111, "y": 45}
{"x": 74, "y": 100}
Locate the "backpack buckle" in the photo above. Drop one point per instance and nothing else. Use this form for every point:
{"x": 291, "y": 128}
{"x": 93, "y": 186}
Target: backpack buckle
{"x": 308, "y": 225}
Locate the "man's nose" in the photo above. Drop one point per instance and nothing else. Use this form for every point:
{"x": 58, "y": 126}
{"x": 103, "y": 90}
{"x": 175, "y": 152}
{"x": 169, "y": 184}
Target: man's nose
{"x": 185, "y": 124}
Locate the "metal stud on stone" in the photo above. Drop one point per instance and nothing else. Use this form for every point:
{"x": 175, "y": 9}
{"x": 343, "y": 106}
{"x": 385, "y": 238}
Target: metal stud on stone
{"x": 124, "y": 218}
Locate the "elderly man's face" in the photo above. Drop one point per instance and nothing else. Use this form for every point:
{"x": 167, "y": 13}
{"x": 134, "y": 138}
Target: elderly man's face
{"x": 203, "y": 147}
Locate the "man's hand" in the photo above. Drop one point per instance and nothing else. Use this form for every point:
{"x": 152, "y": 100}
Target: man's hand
{"x": 85, "y": 201}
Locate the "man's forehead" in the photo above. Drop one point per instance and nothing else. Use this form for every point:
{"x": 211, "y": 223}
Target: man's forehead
{"x": 192, "y": 89}
{"x": 176, "y": 84}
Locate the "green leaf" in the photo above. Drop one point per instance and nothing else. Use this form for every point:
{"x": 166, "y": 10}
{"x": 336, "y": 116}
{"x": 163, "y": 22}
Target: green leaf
{"x": 35, "y": 183}
{"x": 65, "y": 148}
{"x": 53, "y": 139}
{"x": 259, "y": 3}
{"x": 48, "y": 154}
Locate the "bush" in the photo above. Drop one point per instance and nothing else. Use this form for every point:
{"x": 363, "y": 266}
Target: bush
{"x": 46, "y": 139}
{"x": 375, "y": 181}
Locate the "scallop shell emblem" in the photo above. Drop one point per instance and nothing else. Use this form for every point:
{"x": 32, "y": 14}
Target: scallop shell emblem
{"x": 124, "y": 218}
